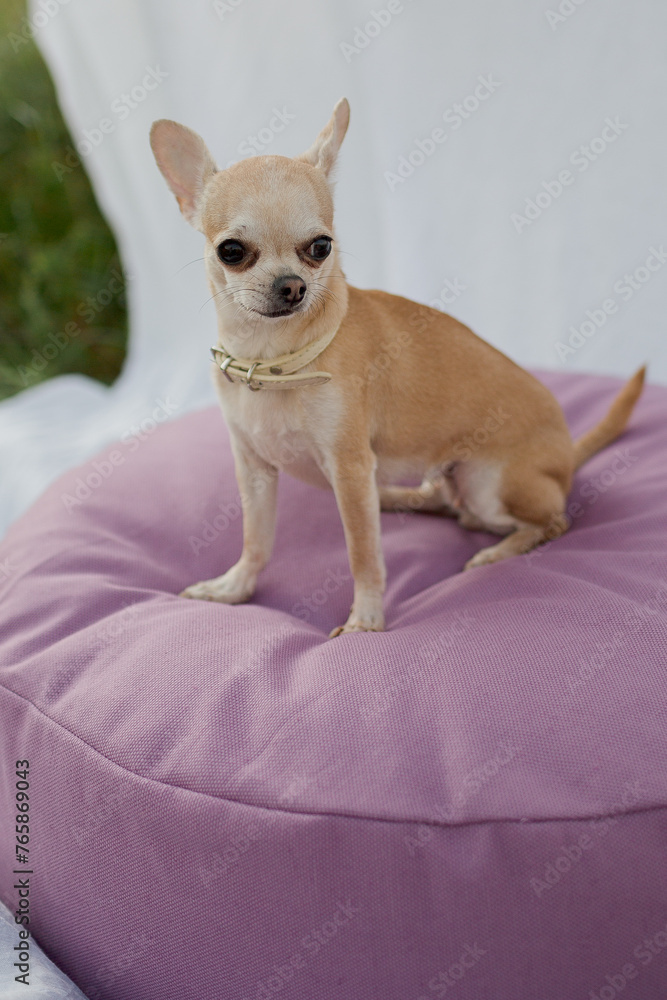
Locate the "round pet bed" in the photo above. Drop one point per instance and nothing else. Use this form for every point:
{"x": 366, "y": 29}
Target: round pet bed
{"x": 225, "y": 803}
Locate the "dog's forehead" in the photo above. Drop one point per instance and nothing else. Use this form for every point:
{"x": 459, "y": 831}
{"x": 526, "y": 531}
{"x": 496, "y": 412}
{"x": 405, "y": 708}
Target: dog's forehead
{"x": 267, "y": 194}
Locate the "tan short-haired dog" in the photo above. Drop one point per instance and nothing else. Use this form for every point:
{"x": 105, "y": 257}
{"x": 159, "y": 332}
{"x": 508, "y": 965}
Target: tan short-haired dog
{"x": 348, "y": 389}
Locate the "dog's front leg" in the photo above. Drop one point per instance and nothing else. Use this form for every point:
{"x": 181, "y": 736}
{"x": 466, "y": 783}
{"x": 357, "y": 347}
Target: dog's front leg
{"x": 258, "y": 486}
{"x": 358, "y": 501}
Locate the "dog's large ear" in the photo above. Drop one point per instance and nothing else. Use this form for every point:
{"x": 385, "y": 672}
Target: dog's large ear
{"x": 185, "y": 163}
{"x": 324, "y": 150}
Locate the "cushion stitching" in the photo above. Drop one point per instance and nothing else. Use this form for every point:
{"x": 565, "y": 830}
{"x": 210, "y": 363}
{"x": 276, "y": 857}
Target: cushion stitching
{"x": 297, "y": 812}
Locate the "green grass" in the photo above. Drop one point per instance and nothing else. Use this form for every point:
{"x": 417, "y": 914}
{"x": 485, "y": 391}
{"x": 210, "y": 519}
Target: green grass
{"x": 62, "y": 304}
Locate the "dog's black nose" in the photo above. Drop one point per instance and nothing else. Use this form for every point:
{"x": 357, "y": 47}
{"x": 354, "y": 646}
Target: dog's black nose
{"x": 291, "y": 289}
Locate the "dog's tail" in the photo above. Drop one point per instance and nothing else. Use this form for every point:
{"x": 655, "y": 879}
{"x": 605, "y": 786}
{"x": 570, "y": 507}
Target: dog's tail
{"x": 611, "y": 426}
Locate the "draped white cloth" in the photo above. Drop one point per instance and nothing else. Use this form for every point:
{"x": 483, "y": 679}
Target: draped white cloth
{"x": 463, "y": 112}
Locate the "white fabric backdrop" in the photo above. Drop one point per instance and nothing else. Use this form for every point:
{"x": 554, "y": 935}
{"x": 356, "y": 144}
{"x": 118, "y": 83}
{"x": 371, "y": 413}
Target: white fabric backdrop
{"x": 555, "y": 72}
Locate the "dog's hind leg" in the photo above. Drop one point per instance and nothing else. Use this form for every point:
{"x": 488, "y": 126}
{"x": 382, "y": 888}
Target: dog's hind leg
{"x": 433, "y": 496}
{"x": 536, "y": 508}
{"x": 524, "y": 539}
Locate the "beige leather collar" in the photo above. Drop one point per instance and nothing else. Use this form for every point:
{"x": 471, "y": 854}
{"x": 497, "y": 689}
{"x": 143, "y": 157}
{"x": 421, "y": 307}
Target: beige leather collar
{"x": 275, "y": 373}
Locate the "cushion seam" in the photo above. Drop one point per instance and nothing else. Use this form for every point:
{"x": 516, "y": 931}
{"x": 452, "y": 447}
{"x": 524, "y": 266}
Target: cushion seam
{"x": 300, "y": 812}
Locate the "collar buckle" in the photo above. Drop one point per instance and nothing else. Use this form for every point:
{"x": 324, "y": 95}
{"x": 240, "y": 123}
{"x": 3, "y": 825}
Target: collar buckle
{"x": 248, "y": 378}
{"x": 274, "y": 373}
{"x": 225, "y": 365}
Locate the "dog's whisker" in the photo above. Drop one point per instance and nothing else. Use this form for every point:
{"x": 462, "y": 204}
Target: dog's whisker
{"x": 195, "y": 261}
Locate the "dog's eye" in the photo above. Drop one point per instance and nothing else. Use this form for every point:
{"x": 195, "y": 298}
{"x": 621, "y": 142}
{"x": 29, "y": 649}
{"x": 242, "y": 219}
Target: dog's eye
{"x": 319, "y": 248}
{"x": 231, "y": 252}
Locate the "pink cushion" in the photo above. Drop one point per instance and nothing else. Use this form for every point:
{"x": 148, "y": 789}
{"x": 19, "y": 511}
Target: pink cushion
{"x": 227, "y": 804}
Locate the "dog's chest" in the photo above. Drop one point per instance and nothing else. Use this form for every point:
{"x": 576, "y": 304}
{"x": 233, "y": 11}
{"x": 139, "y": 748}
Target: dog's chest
{"x": 284, "y": 428}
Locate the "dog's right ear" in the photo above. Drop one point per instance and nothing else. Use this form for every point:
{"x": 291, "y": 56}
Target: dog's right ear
{"x": 185, "y": 164}
{"x": 323, "y": 152}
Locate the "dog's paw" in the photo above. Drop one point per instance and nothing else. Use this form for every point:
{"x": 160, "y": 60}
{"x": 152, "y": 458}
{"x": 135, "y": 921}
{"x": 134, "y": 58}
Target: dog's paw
{"x": 230, "y": 588}
{"x": 342, "y": 629}
{"x": 374, "y": 623}
{"x": 366, "y": 614}
{"x": 484, "y": 558}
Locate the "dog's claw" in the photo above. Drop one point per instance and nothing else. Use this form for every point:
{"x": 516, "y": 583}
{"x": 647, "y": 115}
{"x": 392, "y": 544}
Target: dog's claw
{"x": 342, "y": 629}
{"x": 227, "y": 589}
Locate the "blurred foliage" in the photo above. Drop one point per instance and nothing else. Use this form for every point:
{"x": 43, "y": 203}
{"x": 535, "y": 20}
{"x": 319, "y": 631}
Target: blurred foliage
{"x": 62, "y": 303}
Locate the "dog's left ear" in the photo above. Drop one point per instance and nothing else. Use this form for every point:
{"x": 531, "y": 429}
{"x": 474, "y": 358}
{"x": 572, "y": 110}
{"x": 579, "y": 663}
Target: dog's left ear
{"x": 324, "y": 150}
{"x": 185, "y": 163}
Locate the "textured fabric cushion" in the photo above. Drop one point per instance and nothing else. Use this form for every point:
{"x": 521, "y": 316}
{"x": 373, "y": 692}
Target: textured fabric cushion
{"x": 227, "y": 804}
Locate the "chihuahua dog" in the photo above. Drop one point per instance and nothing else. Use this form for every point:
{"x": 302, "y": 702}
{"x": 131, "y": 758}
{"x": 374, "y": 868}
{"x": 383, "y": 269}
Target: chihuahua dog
{"x": 352, "y": 390}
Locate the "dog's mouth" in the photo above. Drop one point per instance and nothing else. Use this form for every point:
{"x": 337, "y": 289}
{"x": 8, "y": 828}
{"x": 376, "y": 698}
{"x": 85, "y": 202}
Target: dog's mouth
{"x": 277, "y": 313}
